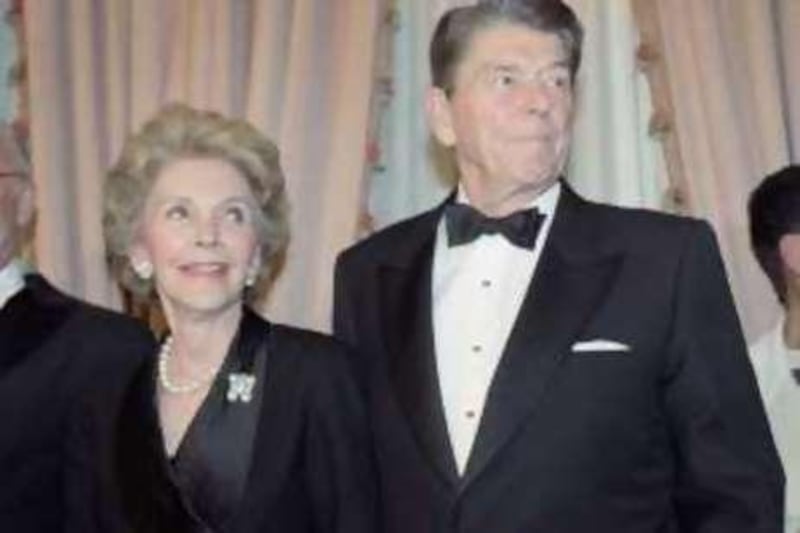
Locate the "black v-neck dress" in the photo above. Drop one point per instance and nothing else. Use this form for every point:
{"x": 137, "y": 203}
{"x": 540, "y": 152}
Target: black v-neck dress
{"x": 296, "y": 457}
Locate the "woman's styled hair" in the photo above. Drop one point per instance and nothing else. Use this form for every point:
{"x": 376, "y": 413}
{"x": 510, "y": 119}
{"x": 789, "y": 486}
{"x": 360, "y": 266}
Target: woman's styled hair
{"x": 179, "y": 132}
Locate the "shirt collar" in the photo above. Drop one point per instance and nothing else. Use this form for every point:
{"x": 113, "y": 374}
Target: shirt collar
{"x": 779, "y": 339}
{"x": 12, "y": 280}
{"x": 546, "y": 202}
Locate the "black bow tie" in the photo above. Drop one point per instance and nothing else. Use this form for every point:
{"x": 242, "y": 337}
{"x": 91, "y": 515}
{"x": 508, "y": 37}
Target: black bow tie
{"x": 465, "y": 224}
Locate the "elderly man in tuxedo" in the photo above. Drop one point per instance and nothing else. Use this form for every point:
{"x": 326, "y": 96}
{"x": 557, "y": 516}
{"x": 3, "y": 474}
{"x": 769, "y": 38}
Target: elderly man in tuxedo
{"x": 537, "y": 362}
{"x": 54, "y": 352}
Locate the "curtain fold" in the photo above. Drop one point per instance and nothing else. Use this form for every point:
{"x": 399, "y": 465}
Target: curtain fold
{"x": 300, "y": 70}
{"x": 8, "y": 59}
{"x": 731, "y": 74}
{"x": 615, "y": 158}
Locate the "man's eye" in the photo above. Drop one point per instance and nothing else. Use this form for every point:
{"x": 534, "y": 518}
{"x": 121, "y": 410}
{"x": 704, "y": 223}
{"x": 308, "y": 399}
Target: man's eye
{"x": 559, "y": 80}
{"x": 177, "y": 212}
{"x": 503, "y": 79}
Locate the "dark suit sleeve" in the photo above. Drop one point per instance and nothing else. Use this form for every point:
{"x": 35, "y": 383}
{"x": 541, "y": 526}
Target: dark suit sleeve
{"x": 342, "y": 303}
{"x": 111, "y": 351}
{"x": 728, "y": 475}
{"x": 340, "y": 461}
{"x": 88, "y": 493}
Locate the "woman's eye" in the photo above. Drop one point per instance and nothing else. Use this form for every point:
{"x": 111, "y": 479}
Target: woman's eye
{"x": 236, "y": 214}
{"x": 177, "y": 212}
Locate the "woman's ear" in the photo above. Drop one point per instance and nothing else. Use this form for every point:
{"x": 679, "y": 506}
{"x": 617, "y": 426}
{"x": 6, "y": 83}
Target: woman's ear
{"x": 253, "y": 269}
{"x": 140, "y": 260}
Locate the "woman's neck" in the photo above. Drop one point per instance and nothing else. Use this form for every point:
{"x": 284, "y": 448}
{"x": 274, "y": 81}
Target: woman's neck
{"x": 203, "y": 339}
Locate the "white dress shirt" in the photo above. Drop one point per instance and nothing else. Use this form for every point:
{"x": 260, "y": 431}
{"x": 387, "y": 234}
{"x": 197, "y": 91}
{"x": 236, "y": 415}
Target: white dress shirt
{"x": 11, "y": 281}
{"x": 478, "y": 289}
{"x": 773, "y": 362}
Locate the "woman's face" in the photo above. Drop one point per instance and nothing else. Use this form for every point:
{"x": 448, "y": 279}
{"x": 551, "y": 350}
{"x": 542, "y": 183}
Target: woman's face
{"x": 198, "y": 231}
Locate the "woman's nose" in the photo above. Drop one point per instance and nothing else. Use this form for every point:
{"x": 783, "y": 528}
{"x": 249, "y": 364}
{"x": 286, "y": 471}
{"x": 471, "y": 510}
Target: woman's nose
{"x": 207, "y": 233}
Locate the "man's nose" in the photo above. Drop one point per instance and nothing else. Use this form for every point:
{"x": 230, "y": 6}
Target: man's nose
{"x": 535, "y": 98}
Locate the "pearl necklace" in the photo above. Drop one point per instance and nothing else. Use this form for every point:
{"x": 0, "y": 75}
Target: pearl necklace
{"x": 193, "y": 385}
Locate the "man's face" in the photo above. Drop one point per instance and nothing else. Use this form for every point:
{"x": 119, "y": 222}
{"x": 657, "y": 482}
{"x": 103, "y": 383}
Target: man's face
{"x": 16, "y": 210}
{"x": 510, "y": 112}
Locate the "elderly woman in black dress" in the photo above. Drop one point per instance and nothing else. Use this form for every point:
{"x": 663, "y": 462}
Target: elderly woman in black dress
{"x": 236, "y": 424}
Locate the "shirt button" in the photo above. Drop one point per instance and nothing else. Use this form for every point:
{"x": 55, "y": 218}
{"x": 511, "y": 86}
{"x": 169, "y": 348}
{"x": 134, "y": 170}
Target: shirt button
{"x": 486, "y": 283}
{"x": 470, "y": 414}
{"x": 477, "y": 348}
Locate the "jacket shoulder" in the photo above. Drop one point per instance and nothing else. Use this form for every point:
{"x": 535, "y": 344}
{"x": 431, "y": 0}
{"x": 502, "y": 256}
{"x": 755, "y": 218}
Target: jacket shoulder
{"x": 307, "y": 347}
{"x": 94, "y": 324}
{"x": 111, "y": 325}
{"x": 320, "y": 359}
{"x": 399, "y": 240}
{"x": 645, "y": 228}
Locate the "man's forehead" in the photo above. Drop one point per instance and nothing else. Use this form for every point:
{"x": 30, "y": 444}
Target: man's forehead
{"x": 512, "y": 42}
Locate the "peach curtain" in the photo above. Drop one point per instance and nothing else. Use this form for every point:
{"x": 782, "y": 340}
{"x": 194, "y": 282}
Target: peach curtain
{"x": 725, "y": 77}
{"x": 301, "y": 70}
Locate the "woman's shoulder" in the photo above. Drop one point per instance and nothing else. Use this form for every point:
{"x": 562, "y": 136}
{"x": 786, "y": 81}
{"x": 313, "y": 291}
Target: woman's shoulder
{"x": 313, "y": 354}
{"x": 305, "y": 343}
{"x": 303, "y": 357}
{"x": 320, "y": 369}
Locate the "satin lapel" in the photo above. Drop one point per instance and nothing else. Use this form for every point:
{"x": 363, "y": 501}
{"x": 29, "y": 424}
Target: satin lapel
{"x": 277, "y": 371}
{"x": 565, "y": 291}
{"x": 217, "y": 448}
{"x": 140, "y": 460}
{"x": 405, "y": 304}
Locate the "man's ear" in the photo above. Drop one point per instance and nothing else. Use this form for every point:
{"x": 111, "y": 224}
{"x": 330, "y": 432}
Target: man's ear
{"x": 789, "y": 250}
{"x": 26, "y": 205}
{"x": 440, "y": 116}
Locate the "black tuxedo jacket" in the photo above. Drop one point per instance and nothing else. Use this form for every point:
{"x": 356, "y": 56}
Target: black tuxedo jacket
{"x": 666, "y": 436}
{"x": 311, "y": 467}
{"x": 54, "y": 350}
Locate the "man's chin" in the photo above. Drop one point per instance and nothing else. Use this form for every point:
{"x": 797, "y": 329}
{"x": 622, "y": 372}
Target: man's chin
{"x": 536, "y": 179}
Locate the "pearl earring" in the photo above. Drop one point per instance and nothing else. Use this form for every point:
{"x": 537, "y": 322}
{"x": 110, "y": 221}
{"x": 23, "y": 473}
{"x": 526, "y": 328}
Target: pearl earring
{"x": 143, "y": 269}
{"x": 251, "y": 276}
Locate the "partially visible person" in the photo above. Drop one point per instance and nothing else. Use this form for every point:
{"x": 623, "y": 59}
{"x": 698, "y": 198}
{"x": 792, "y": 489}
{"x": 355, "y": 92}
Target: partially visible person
{"x": 235, "y": 424}
{"x": 54, "y": 350}
{"x": 775, "y": 234}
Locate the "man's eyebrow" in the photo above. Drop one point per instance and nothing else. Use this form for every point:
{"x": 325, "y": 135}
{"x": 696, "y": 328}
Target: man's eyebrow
{"x": 499, "y": 65}
{"x": 559, "y": 63}
{"x": 511, "y": 65}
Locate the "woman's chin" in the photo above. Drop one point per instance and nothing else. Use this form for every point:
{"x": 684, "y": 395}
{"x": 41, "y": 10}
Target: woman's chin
{"x": 206, "y": 304}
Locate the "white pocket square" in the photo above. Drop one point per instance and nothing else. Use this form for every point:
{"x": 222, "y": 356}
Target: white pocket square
{"x": 600, "y": 345}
